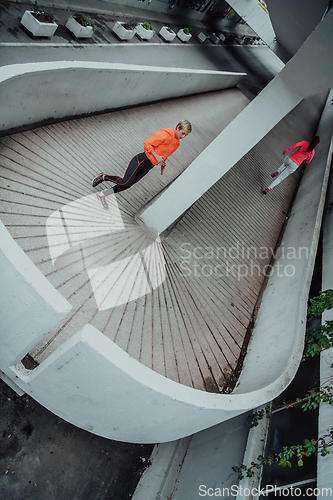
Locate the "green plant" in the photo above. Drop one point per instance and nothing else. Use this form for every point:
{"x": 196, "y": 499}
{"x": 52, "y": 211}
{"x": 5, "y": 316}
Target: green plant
{"x": 319, "y": 304}
{"x": 309, "y": 402}
{"x": 318, "y": 340}
{"x": 253, "y": 420}
{"x": 312, "y": 399}
{"x": 146, "y": 26}
{"x": 186, "y": 31}
{"x": 83, "y": 19}
{"x": 315, "y": 342}
{"x": 283, "y": 459}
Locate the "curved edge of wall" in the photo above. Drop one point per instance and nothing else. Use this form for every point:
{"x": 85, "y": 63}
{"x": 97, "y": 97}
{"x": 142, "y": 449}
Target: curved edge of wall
{"x": 35, "y": 92}
{"x": 98, "y": 387}
{"x": 30, "y": 305}
{"x": 92, "y": 383}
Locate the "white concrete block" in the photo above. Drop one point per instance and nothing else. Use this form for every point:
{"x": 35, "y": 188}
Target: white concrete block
{"x": 34, "y": 92}
{"x": 30, "y": 305}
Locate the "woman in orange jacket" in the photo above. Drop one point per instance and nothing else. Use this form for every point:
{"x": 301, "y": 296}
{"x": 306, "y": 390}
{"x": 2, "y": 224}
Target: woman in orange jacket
{"x": 157, "y": 148}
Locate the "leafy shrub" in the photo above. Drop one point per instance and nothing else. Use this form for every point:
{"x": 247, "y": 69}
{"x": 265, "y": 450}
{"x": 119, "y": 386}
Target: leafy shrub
{"x": 186, "y": 31}
{"x": 83, "y": 19}
{"x": 318, "y": 340}
{"x": 146, "y": 26}
{"x": 253, "y": 420}
{"x": 319, "y": 304}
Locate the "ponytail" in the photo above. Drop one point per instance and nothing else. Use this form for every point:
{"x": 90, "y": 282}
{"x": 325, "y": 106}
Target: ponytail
{"x": 313, "y": 144}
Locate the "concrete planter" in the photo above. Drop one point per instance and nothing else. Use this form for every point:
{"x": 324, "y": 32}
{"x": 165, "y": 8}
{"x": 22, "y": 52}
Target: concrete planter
{"x": 78, "y": 30}
{"x": 222, "y": 37}
{"x": 167, "y": 34}
{"x": 143, "y": 33}
{"x": 202, "y": 37}
{"x": 183, "y": 37}
{"x": 214, "y": 38}
{"x": 35, "y": 27}
{"x": 123, "y": 31}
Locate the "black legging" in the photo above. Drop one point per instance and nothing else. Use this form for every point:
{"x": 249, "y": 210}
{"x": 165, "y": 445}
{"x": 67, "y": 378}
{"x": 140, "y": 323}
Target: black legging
{"x": 137, "y": 168}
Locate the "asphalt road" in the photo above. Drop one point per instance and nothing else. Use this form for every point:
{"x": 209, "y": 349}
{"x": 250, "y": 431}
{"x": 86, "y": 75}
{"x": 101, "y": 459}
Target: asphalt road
{"x": 44, "y": 457}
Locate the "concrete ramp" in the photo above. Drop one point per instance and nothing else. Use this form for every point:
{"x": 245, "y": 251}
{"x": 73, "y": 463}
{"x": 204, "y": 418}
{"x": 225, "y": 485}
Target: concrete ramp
{"x": 142, "y": 370}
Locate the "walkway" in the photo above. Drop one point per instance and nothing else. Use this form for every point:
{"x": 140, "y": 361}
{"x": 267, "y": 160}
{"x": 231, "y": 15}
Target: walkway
{"x": 191, "y": 324}
{"x": 259, "y": 62}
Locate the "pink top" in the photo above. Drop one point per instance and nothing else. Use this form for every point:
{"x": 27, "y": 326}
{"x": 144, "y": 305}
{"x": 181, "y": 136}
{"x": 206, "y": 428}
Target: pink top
{"x": 301, "y": 153}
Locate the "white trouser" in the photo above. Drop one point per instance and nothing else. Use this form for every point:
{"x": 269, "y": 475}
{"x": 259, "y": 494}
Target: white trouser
{"x": 287, "y": 168}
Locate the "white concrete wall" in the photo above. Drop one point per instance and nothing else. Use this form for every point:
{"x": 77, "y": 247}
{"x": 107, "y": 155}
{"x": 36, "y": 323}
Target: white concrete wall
{"x": 325, "y": 464}
{"x": 92, "y": 383}
{"x": 325, "y": 425}
{"x": 255, "y": 17}
{"x": 29, "y": 305}
{"x": 208, "y": 462}
{"x": 294, "y": 21}
{"x": 34, "y": 92}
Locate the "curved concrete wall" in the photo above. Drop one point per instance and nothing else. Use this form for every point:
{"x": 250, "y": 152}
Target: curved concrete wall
{"x": 85, "y": 380}
{"x": 33, "y": 92}
{"x": 29, "y": 304}
{"x": 95, "y": 385}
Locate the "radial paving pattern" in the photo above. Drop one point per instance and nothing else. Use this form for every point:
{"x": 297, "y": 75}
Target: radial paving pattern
{"x": 181, "y": 305}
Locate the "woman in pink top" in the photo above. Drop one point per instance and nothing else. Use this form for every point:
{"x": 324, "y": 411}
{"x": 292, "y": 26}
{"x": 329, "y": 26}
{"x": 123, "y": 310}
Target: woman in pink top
{"x": 304, "y": 151}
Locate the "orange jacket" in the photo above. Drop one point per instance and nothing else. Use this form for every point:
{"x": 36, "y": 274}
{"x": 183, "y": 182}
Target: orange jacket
{"x": 163, "y": 142}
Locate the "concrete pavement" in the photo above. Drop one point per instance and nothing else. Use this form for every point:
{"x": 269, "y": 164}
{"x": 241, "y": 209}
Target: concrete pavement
{"x": 43, "y": 456}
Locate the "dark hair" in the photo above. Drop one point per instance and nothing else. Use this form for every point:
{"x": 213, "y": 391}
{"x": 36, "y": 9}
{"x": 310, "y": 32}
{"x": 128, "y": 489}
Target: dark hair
{"x": 313, "y": 143}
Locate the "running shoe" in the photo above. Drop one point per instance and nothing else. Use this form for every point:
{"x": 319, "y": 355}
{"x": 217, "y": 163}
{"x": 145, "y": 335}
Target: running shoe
{"x": 102, "y": 199}
{"x": 98, "y": 179}
{"x": 265, "y": 191}
{"x": 274, "y": 174}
